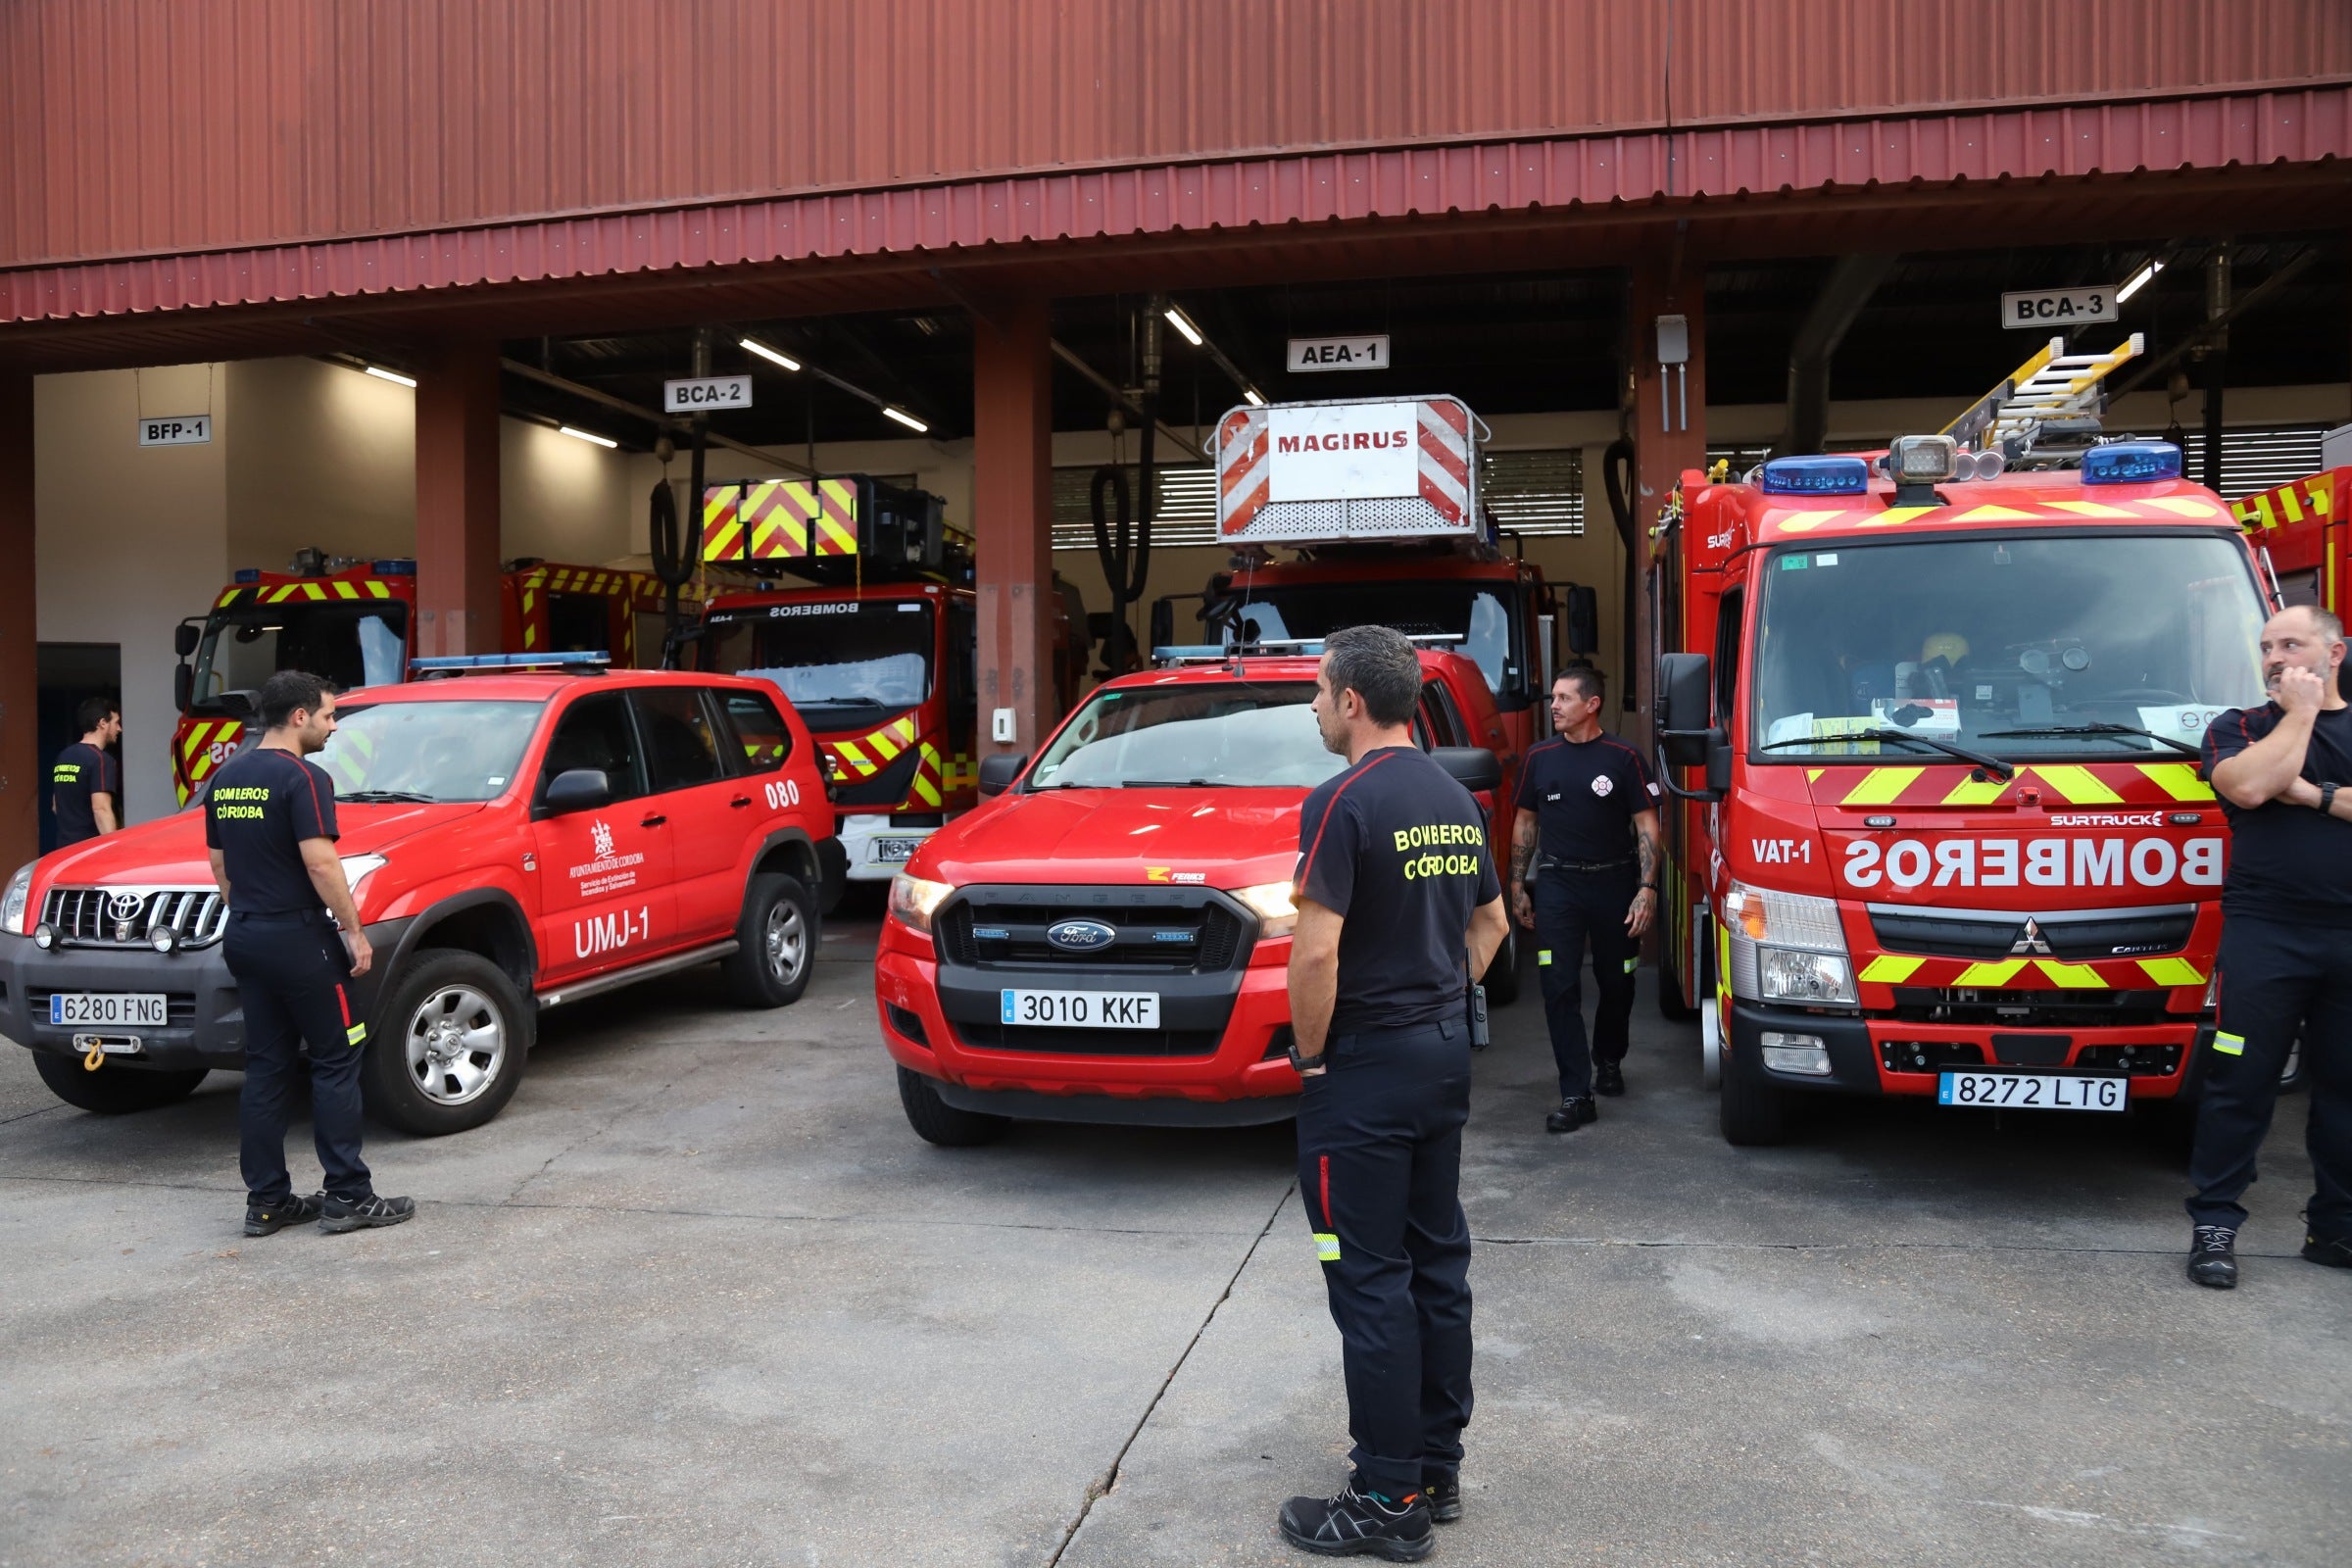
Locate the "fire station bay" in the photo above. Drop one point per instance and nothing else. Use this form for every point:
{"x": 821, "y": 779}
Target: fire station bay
{"x": 836, "y": 580}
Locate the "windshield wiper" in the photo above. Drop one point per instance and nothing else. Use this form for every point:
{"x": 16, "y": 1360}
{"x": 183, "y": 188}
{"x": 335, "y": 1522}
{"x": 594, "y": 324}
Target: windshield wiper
{"x": 1990, "y": 764}
{"x": 388, "y": 796}
{"x": 1175, "y": 784}
{"x": 2095, "y": 727}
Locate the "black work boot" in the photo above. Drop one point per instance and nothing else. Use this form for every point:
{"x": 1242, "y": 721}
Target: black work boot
{"x": 1608, "y": 1078}
{"x": 2213, "y": 1256}
{"x": 2336, "y": 1253}
{"x": 1573, "y": 1113}
{"x": 364, "y": 1214}
{"x": 1358, "y": 1522}
{"x": 1445, "y": 1494}
{"x": 267, "y": 1219}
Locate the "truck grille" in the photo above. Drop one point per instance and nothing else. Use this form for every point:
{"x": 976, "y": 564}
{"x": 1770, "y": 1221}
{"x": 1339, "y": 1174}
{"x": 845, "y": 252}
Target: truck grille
{"x": 130, "y": 917}
{"x": 1986, "y": 1005}
{"x": 2079, "y": 936}
{"x": 1171, "y": 931}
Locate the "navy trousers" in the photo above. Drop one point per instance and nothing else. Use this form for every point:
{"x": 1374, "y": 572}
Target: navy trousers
{"x": 2279, "y": 981}
{"x": 1380, "y": 1164}
{"x": 293, "y": 977}
{"x": 1574, "y": 911}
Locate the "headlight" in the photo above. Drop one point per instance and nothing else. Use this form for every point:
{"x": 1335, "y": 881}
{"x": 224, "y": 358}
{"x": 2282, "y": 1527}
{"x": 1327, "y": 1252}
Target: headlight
{"x": 13, "y": 903}
{"x": 1816, "y": 979}
{"x": 914, "y": 900}
{"x": 356, "y": 868}
{"x": 1276, "y": 909}
{"x": 1783, "y": 919}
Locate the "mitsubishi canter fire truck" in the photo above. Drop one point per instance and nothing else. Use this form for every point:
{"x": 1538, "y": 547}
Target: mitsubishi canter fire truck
{"x": 1106, "y": 939}
{"x": 877, "y": 652}
{"x": 1378, "y": 502}
{"x": 354, "y": 623}
{"x": 1933, "y": 720}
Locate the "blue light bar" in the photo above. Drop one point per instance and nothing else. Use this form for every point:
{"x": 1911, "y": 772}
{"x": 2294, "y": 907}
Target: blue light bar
{"x": 1816, "y": 476}
{"x": 249, "y": 575}
{"x": 395, "y": 567}
{"x": 2132, "y": 463}
{"x": 512, "y": 661}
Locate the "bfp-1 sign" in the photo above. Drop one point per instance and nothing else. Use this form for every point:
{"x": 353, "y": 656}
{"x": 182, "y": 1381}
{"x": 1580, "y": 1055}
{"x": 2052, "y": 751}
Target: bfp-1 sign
{"x": 176, "y": 430}
{"x": 2062, "y": 306}
{"x": 1308, "y": 353}
{"x": 705, "y": 393}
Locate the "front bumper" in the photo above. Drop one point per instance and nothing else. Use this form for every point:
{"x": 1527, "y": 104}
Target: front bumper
{"x": 207, "y": 1021}
{"x": 1870, "y": 1055}
{"x": 1245, "y": 1078}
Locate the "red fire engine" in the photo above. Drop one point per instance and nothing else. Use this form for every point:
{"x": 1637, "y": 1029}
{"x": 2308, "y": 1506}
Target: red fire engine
{"x": 2303, "y": 530}
{"x": 354, "y": 623}
{"x": 1934, "y": 732}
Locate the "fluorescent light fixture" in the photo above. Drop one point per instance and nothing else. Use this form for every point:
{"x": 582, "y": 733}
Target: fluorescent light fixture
{"x": 1257, "y": 398}
{"x": 383, "y": 375}
{"x": 1184, "y": 323}
{"x": 587, "y": 435}
{"x": 905, "y": 418}
{"x": 2138, "y": 282}
{"x": 767, "y": 353}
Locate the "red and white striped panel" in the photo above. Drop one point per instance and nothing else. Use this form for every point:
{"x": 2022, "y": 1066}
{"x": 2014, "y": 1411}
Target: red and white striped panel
{"x": 1241, "y": 470}
{"x": 1445, "y": 464}
{"x": 1446, "y": 457}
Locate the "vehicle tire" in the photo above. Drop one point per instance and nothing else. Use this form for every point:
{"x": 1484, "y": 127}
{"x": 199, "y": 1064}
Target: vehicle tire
{"x": 113, "y": 1090}
{"x": 1501, "y": 978}
{"x": 935, "y": 1121}
{"x": 775, "y": 943}
{"x": 448, "y": 1045}
{"x": 1754, "y": 1115}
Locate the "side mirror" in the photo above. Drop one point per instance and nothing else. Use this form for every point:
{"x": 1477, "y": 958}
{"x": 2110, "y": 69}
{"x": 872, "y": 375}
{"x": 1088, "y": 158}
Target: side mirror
{"x": 184, "y": 638}
{"x": 997, "y": 772}
{"x": 183, "y": 685}
{"x": 1684, "y": 695}
{"x": 579, "y": 789}
{"x": 1473, "y": 767}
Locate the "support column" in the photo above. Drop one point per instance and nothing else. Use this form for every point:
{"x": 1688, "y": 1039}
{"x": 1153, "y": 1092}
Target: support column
{"x": 1012, "y": 502}
{"x": 1670, "y": 430}
{"x": 20, "y": 637}
{"x": 457, "y": 606}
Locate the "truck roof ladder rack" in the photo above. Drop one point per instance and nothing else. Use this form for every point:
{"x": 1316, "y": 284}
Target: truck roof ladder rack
{"x": 2055, "y": 398}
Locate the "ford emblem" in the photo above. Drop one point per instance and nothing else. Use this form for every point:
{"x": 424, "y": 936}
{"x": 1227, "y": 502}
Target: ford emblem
{"x": 1081, "y": 936}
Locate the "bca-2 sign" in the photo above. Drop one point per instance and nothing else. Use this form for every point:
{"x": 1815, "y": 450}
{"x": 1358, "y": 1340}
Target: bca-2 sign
{"x": 176, "y": 430}
{"x": 2064, "y": 307}
{"x": 705, "y": 393}
{"x": 1310, "y": 354}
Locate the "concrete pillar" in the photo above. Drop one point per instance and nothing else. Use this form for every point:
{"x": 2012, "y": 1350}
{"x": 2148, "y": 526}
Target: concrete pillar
{"x": 1012, "y": 504}
{"x": 458, "y": 608}
{"x": 1670, "y": 433}
{"x": 20, "y": 637}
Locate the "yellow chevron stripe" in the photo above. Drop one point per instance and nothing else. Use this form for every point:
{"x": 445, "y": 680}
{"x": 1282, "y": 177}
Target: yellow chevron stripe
{"x": 2172, "y": 971}
{"x": 2178, "y": 780}
{"x": 1896, "y": 516}
{"x": 2183, "y": 506}
{"x": 2071, "y": 976}
{"x": 2079, "y": 785}
{"x": 1990, "y": 974}
{"x": 1889, "y": 970}
{"x": 1881, "y": 785}
{"x": 1805, "y": 522}
{"x": 379, "y": 590}
{"x": 1992, "y": 513}
{"x": 347, "y": 590}
{"x": 884, "y": 747}
{"x": 2089, "y": 508}
{"x": 2289, "y": 504}
{"x": 850, "y": 754}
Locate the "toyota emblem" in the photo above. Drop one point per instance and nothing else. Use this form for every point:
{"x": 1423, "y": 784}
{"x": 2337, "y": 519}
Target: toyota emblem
{"x": 124, "y": 907}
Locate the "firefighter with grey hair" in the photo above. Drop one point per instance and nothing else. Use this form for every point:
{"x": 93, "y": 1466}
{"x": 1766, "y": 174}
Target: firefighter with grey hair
{"x": 1398, "y": 906}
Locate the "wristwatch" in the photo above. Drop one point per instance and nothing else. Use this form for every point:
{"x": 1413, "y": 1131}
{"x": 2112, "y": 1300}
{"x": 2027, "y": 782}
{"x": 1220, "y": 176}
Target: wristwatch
{"x": 2327, "y": 800}
{"x": 1304, "y": 1066}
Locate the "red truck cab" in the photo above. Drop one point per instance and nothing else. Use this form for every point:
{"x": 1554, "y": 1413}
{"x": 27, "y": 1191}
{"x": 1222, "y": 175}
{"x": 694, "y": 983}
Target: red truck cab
{"x": 514, "y": 840}
{"x": 1939, "y": 827}
{"x": 1105, "y": 937}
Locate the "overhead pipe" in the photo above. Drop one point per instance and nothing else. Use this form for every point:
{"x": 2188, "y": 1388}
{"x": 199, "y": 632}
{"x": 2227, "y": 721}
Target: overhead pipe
{"x": 1848, "y": 288}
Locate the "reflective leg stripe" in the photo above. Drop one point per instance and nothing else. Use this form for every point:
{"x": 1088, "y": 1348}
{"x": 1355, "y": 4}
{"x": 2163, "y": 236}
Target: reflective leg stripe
{"x": 1544, "y": 955}
{"x": 356, "y": 1034}
{"x": 1327, "y": 1248}
{"x": 2229, "y": 1044}
{"x": 1631, "y": 964}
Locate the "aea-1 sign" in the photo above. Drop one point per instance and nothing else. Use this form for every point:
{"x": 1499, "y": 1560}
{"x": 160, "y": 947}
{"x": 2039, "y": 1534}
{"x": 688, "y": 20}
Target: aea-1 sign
{"x": 705, "y": 393}
{"x": 1310, "y": 354}
{"x": 1341, "y": 451}
{"x": 176, "y": 430}
{"x": 2061, "y": 307}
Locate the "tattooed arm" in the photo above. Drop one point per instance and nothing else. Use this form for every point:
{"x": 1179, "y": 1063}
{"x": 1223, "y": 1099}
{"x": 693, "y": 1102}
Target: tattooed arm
{"x": 1638, "y": 919}
{"x": 1523, "y": 859}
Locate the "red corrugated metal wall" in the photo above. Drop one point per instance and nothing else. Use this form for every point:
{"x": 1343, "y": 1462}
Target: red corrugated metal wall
{"x": 149, "y": 125}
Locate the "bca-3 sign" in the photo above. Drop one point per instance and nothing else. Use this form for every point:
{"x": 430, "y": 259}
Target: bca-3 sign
{"x": 705, "y": 393}
{"x": 2064, "y": 307}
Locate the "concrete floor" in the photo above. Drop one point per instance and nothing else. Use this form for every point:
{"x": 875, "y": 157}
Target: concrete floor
{"x": 700, "y": 1296}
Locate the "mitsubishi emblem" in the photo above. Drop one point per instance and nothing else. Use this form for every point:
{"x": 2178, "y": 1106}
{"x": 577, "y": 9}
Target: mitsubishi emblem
{"x": 2031, "y": 941}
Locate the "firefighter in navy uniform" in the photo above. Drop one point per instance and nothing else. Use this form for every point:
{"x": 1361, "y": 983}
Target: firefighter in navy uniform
{"x": 1398, "y": 906}
{"x": 85, "y": 783}
{"x": 270, "y": 821}
{"x": 1588, "y": 829}
{"x": 2283, "y": 773}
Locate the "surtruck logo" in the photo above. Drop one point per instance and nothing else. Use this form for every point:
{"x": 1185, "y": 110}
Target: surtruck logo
{"x": 2081, "y": 862}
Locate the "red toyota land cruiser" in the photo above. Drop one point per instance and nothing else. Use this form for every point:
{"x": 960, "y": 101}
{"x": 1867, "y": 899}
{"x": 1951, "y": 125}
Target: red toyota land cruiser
{"x": 1105, "y": 937}
{"x": 514, "y": 840}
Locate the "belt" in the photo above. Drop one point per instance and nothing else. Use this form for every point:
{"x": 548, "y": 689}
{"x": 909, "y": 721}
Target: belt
{"x": 280, "y": 916}
{"x": 1582, "y": 866}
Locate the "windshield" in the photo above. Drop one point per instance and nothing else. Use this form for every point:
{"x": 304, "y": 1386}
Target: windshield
{"x": 1476, "y": 614}
{"x": 1966, "y": 641}
{"x": 842, "y": 661}
{"x": 353, "y": 645}
{"x": 1263, "y": 736}
{"x": 432, "y": 751}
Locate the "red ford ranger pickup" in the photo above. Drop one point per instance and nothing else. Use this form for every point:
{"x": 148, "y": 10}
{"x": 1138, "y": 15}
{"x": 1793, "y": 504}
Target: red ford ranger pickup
{"x": 1105, "y": 937}
{"x": 513, "y": 841}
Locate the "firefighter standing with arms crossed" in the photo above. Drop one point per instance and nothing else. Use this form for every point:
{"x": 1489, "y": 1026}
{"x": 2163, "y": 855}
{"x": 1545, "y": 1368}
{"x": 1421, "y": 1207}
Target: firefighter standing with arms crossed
{"x": 1398, "y": 906}
{"x": 1588, "y": 829}
{"x": 270, "y": 822}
